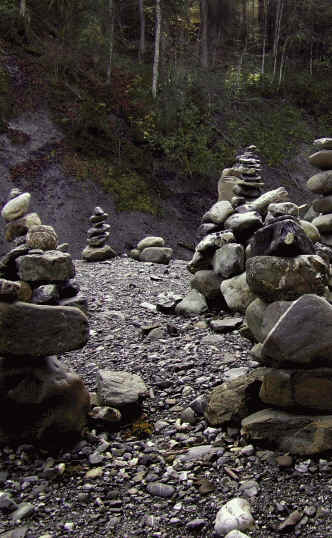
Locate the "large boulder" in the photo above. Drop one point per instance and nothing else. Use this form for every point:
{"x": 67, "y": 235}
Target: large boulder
{"x": 208, "y": 283}
{"x": 297, "y": 434}
{"x": 273, "y": 278}
{"x": 282, "y": 237}
{"x": 51, "y": 266}
{"x": 41, "y": 402}
{"x": 39, "y": 330}
{"x": 322, "y": 159}
{"x": 298, "y": 389}
{"x": 302, "y": 335}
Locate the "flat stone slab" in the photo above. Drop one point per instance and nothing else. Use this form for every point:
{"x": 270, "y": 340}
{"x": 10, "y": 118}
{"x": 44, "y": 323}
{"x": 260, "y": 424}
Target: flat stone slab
{"x": 52, "y": 266}
{"x": 40, "y": 330}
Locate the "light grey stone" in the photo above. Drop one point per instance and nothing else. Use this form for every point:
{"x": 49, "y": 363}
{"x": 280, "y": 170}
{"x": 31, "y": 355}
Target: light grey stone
{"x": 51, "y": 266}
{"x": 119, "y": 388}
{"x": 234, "y": 515}
{"x": 237, "y": 293}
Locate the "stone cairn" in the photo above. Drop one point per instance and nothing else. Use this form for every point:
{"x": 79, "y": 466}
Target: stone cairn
{"x": 263, "y": 260}
{"x": 152, "y": 249}
{"x": 44, "y": 403}
{"x": 98, "y": 234}
{"x": 321, "y": 184}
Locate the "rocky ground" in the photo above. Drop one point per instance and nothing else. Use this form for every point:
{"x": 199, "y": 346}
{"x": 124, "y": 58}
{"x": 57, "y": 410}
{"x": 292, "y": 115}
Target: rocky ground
{"x": 109, "y": 483}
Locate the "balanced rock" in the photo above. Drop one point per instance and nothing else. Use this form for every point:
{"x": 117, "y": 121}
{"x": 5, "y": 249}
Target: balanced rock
{"x": 193, "y": 304}
{"x": 298, "y": 389}
{"x": 42, "y": 237}
{"x": 19, "y": 227}
{"x": 321, "y": 183}
{"x": 50, "y": 266}
{"x": 97, "y": 236}
{"x": 150, "y": 241}
{"x": 281, "y": 237}
{"x": 322, "y": 159}
{"x": 219, "y": 212}
{"x": 92, "y": 254}
{"x": 16, "y": 207}
{"x": 302, "y": 335}
{"x": 274, "y": 278}
{"x": 229, "y": 260}
{"x": 37, "y": 331}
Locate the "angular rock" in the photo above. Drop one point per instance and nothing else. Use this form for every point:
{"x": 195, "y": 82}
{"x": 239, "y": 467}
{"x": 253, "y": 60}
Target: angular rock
{"x": 254, "y": 318}
{"x": 323, "y": 143}
{"x": 193, "y": 304}
{"x": 239, "y": 222}
{"x": 233, "y": 400}
{"x": 302, "y": 334}
{"x": 296, "y": 434}
{"x": 237, "y": 293}
{"x": 298, "y": 389}
{"x": 273, "y": 278}
{"x": 90, "y": 254}
{"x": 20, "y": 226}
{"x": 215, "y": 240}
{"x": 270, "y": 197}
{"x": 52, "y": 266}
{"x": 219, "y": 212}
{"x": 279, "y": 209}
{"x": 228, "y": 260}
{"x": 46, "y": 294}
{"x": 208, "y": 283}
{"x": 156, "y": 255}
{"x": 37, "y": 331}
{"x": 120, "y": 389}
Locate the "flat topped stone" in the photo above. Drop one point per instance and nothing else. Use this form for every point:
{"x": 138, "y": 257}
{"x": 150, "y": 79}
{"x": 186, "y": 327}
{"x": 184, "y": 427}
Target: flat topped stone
{"x": 50, "y": 266}
{"x": 17, "y": 207}
{"x": 39, "y": 330}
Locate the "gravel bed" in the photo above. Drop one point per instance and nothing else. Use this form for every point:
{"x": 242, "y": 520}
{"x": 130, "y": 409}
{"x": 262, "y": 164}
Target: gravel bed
{"x": 150, "y": 479}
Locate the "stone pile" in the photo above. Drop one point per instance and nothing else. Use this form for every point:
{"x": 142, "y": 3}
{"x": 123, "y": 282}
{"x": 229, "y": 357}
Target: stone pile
{"x": 97, "y": 250}
{"x": 321, "y": 184}
{"x": 44, "y": 403}
{"x": 43, "y": 271}
{"x": 275, "y": 268}
{"x": 152, "y": 249}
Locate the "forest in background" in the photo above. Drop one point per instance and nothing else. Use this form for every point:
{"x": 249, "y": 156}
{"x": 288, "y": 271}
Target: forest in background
{"x": 148, "y": 88}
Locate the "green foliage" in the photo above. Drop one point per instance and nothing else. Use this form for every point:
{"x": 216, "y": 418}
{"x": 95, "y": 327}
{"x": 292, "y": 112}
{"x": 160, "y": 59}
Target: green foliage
{"x": 6, "y": 100}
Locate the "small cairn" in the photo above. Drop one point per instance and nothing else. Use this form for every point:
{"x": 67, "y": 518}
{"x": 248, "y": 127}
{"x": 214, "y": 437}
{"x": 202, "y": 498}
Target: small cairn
{"x": 152, "y": 249}
{"x": 98, "y": 234}
{"x": 321, "y": 184}
{"x": 44, "y": 403}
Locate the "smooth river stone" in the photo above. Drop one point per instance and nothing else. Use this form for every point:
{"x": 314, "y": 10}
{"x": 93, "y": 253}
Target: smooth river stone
{"x": 40, "y": 330}
{"x": 322, "y": 159}
{"x": 17, "y": 207}
{"x": 20, "y": 226}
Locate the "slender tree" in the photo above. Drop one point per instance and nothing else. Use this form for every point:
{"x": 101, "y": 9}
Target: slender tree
{"x": 155, "y": 75}
{"x": 141, "y": 49}
{"x": 110, "y": 40}
{"x": 204, "y": 55}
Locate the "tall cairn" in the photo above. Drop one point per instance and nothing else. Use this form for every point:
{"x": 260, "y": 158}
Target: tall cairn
{"x": 45, "y": 404}
{"x": 321, "y": 184}
{"x": 97, "y": 250}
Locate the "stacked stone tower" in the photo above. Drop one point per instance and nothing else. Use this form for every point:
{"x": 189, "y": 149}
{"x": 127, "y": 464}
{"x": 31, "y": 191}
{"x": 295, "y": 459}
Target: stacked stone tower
{"x": 44, "y": 403}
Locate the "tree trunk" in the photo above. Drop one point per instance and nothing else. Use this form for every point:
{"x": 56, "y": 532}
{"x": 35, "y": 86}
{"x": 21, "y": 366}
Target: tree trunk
{"x": 141, "y": 50}
{"x": 156, "y": 50}
{"x": 204, "y": 60}
{"x": 110, "y": 41}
